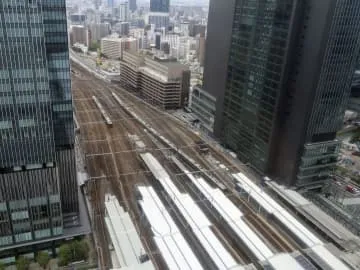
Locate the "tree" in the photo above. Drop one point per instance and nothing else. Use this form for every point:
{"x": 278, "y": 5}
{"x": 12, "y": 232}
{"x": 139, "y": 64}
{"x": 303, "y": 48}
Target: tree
{"x": 2, "y": 266}
{"x": 43, "y": 259}
{"x": 94, "y": 46}
{"x": 75, "y": 251}
{"x": 65, "y": 255}
{"x": 80, "y": 250}
{"x": 22, "y": 263}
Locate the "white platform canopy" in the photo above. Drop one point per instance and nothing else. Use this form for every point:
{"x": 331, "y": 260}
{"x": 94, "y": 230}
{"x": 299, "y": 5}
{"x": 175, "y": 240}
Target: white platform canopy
{"x": 298, "y": 229}
{"x": 174, "y": 249}
{"x": 197, "y": 220}
{"x": 124, "y": 237}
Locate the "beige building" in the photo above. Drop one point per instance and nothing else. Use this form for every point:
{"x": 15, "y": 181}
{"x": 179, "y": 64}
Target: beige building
{"x": 201, "y": 50}
{"x": 161, "y": 81}
{"x": 98, "y": 31}
{"x": 113, "y": 48}
{"x": 79, "y": 34}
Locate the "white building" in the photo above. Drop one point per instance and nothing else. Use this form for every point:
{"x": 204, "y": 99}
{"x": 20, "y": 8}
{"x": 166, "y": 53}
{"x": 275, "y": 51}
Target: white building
{"x": 139, "y": 34}
{"x": 113, "y": 47}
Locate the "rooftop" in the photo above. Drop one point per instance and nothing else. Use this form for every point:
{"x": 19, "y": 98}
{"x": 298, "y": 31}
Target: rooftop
{"x": 124, "y": 237}
{"x": 326, "y": 223}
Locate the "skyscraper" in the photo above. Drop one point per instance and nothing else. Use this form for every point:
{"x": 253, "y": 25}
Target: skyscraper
{"x": 38, "y": 189}
{"x": 159, "y": 13}
{"x": 124, "y": 12}
{"x": 159, "y": 6}
{"x": 283, "y": 82}
{"x": 132, "y": 5}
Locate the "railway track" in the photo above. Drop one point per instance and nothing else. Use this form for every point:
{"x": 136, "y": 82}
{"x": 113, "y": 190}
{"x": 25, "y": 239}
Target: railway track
{"x": 110, "y": 169}
{"x": 112, "y": 159}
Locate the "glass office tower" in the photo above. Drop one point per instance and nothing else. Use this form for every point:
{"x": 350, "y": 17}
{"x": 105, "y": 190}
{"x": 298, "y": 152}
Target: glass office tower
{"x": 317, "y": 91}
{"x": 286, "y": 82}
{"x": 160, "y": 6}
{"x": 257, "y": 60}
{"x": 38, "y": 190}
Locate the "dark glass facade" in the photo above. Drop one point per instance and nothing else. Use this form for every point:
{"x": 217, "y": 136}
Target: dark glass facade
{"x": 318, "y": 90}
{"x": 159, "y": 5}
{"x": 288, "y": 77}
{"x": 37, "y": 161}
{"x": 257, "y": 59}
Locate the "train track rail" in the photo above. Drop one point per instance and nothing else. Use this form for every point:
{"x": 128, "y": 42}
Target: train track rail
{"x": 116, "y": 169}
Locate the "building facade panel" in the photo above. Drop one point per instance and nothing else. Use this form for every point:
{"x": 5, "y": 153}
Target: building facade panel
{"x": 159, "y": 5}
{"x": 162, "y": 82}
{"x": 332, "y": 92}
{"x": 217, "y": 50}
{"x": 25, "y": 99}
{"x": 257, "y": 60}
{"x": 37, "y": 165}
{"x": 289, "y": 69}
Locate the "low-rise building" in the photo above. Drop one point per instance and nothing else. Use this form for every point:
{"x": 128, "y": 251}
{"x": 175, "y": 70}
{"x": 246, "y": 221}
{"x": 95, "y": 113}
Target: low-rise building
{"x": 98, "y": 31}
{"x": 79, "y": 34}
{"x": 203, "y": 105}
{"x": 113, "y": 48}
{"x": 161, "y": 81}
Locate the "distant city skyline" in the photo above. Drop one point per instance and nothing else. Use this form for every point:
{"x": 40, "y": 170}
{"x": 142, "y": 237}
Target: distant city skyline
{"x": 179, "y": 2}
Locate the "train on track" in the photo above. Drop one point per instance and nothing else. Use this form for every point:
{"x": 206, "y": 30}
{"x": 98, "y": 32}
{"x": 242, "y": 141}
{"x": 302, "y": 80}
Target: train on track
{"x": 103, "y": 112}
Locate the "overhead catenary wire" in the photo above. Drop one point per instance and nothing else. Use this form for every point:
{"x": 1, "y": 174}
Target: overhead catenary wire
{"x": 125, "y": 178}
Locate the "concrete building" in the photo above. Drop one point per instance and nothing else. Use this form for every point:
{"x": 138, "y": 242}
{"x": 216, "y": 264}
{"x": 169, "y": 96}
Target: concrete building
{"x": 173, "y": 41}
{"x": 283, "y": 77}
{"x": 98, "y": 31}
{"x": 139, "y": 34}
{"x": 203, "y": 106}
{"x": 78, "y": 19}
{"x": 39, "y": 199}
{"x": 165, "y": 47}
{"x": 161, "y": 81}
{"x": 201, "y": 50}
{"x": 159, "y": 19}
{"x": 79, "y": 34}
{"x": 197, "y": 29}
{"x": 124, "y": 29}
{"x": 113, "y": 48}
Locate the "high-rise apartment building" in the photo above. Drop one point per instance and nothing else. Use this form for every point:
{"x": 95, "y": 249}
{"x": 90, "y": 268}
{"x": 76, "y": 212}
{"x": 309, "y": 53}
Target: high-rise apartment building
{"x": 283, "y": 76}
{"x": 38, "y": 189}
